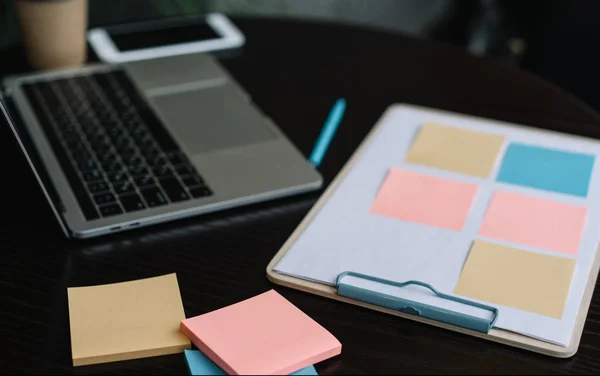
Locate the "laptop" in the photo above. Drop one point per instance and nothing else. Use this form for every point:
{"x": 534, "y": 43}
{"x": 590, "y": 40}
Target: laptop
{"x": 116, "y": 147}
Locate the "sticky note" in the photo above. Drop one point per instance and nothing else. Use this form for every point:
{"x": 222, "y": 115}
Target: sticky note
{"x": 534, "y": 222}
{"x": 454, "y": 149}
{"x": 128, "y": 320}
{"x": 424, "y": 199}
{"x": 310, "y": 370}
{"x": 515, "y": 278}
{"x": 199, "y": 364}
{"x": 547, "y": 169}
{"x": 263, "y": 335}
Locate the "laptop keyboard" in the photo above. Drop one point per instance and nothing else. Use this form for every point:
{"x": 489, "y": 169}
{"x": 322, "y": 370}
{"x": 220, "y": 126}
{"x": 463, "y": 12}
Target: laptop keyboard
{"x": 114, "y": 151}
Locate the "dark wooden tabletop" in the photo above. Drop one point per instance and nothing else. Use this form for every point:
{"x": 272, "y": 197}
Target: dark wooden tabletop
{"x": 295, "y": 70}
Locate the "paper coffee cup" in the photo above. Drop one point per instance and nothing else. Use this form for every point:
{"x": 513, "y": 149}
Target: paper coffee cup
{"x": 53, "y": 31}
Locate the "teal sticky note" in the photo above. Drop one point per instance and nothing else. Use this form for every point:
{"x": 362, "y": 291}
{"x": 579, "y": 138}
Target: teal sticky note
{"x": 199, "y": 364}
{"x": 310, "y": 370}
{"x": 547, "y": 169}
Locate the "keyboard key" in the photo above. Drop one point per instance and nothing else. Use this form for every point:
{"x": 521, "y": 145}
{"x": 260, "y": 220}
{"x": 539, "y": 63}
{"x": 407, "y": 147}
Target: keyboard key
{"x": 139, "y": 170}
{"x": 154, "y": 197}
{"x": 70, "y": 135}
{"x": 91, "y": 129}
{"x": 124, "y": 188}
{"x": 132, "y": 123}
{"x": 86, "y": 121}
{"x": 150, "y": 151}
{"x": 104, "y": 198}
{"x": 115, "y": 132}
{"x": 76, "y": 146}
{"x": 117, "y": 177}
{"x": 144, "y": 141}
{"x": 107, "y": 157}
{"x": 122, "y": 142}
{"x": 185, "y": 169}
{"x": 150, "y": 157}
{"x": 174, "y": 190}
{"x": 132, "y": 202}
{"x": 102, "y": 149}
{"x": 126, "y": 152}
{"x": 192, "y": 180}
{"x": 177, "y": 158}
{"x": 92, "y": 175}
{"x": 65, "y": 122}
{"x": 81, "y": 156}
{"x": 87, "y": 165}
{"x": 144, "y": 181}
{"x": 162, "y": 172}
{"x": 111, "y": 166}
{"x": 111, "y": 123}
{"x": 131, "y": 159}
{"x": 98, "y": 187}
{"x": 200, "y": 192}
{"x": 80, "y": 111}
{"x": 137, "y": 130}
{"x": 158, "y": 162}
{"x": 104, "y": 117}
{"x": 110, "y": 210}
{"x": 98, "y": 138}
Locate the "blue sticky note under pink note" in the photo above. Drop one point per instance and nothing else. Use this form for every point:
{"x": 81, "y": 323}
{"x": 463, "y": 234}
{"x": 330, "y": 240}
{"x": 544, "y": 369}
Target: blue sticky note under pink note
{"x": 199, "y": 364}
{"x": 547, "y": 169}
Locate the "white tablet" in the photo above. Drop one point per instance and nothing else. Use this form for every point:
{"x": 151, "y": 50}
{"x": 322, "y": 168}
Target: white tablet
{"x": 162, "y": 38}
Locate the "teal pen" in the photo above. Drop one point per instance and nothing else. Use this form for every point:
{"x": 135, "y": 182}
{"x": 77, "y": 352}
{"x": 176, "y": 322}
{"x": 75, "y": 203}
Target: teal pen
{"x": 327, "y": 133}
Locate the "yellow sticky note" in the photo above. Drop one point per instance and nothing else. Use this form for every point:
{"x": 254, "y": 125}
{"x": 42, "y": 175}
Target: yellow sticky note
{"x": 515, "y": 278}
{"x": 455, "y": 149}
{"x": 127, "y": 320}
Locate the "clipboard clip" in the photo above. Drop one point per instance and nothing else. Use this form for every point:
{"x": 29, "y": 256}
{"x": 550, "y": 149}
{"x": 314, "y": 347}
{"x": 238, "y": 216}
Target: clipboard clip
{"x": 416, "y": 308}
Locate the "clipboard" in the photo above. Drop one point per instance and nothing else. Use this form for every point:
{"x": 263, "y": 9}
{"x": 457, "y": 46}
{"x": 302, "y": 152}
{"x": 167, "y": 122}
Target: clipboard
{"x": 415, "y": 311}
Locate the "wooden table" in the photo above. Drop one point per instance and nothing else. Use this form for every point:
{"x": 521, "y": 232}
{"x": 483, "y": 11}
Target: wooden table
{"x": 295, "y": 70}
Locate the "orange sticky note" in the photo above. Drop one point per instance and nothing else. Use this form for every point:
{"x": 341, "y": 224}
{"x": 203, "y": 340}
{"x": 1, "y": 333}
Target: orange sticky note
{"x": 126, "y": 320}
{"x": 535, "y": 222}
{"x": 264, "y": 335}
{"x": 424, "y": 199}
{"x": 456, "y": 149}
{"x": 515, "y": 278}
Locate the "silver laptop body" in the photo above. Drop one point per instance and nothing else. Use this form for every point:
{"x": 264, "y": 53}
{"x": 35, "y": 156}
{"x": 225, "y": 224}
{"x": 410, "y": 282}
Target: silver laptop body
{"x": 239, "y": 152}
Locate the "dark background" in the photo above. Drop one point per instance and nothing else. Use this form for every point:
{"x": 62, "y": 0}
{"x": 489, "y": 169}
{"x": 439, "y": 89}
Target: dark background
{"x": 555, "y": 40}
{"x": 552, "y": 39}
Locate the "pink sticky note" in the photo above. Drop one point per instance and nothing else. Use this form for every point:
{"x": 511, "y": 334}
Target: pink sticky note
{"x": 424, "y": 199}
{"x": 535, "y": 222}
{"x": 264, "y": 335}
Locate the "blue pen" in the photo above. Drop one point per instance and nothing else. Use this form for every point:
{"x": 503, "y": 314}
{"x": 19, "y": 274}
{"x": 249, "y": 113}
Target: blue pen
{"x": 327, "y": 133}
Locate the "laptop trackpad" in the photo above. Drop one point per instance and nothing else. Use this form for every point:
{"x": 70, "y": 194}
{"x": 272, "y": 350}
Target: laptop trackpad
{"x": 209, "y": 119}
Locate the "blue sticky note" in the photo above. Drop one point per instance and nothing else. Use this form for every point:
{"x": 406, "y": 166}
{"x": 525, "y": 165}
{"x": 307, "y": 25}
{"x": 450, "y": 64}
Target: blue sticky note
{"x": 547, "y": 169}
{"x": 199, "y": 364}
{"x": 310, "y": 370}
